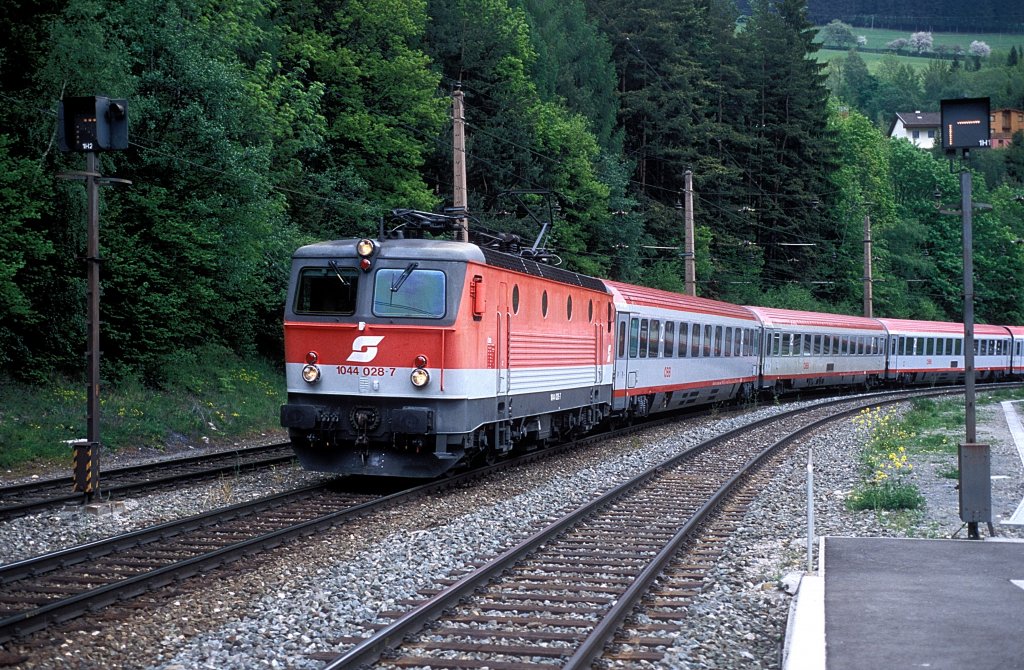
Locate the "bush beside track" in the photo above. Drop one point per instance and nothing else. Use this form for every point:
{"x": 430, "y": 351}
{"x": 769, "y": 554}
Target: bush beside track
{"x": 214, "y": 397}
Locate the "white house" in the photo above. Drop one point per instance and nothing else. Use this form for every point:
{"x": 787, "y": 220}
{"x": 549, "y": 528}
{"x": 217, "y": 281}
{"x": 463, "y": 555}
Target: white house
{"x": 921, "y": 128}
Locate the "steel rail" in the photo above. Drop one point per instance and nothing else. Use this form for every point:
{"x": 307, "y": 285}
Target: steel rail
{"x": 237, "y": 464}
{"x": 390, "y": 636}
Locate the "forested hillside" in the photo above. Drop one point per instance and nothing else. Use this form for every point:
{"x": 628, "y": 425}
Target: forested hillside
{"x": 260, "y": 125}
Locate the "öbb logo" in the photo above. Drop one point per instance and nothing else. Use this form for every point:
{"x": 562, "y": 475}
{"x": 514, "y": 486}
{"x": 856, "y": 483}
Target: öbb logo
{"x": 364, "y": 348}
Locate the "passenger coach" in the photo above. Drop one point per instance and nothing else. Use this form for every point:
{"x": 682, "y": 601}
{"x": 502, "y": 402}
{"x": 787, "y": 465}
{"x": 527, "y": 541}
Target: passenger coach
{"x": 674, "y": 350}
{"x": 811, "y": 349}
{"x": 932, "y": 352}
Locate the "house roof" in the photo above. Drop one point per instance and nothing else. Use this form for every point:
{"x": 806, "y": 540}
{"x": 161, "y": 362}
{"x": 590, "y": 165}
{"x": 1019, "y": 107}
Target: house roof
{"x": 917, "y": 119}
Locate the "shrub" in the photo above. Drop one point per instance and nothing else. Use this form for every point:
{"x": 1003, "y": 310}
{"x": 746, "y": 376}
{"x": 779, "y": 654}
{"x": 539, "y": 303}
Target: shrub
{"x": 885, "y": 465}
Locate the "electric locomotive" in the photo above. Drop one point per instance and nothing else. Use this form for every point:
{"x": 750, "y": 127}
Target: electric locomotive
{"x": 408, "y": 356}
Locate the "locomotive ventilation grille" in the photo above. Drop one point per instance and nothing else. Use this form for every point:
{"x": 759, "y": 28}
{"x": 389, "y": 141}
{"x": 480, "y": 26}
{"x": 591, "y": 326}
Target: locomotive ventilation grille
{"x": 530, "y": 267}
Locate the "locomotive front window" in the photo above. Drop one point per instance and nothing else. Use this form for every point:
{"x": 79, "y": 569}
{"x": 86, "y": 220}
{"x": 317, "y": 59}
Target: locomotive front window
{"x": 330, "y": 290}
{"x": 409, "y": 292}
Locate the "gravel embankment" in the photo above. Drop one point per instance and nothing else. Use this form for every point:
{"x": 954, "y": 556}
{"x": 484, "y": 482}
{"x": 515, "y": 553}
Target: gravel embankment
{"x": 272, "y": 612}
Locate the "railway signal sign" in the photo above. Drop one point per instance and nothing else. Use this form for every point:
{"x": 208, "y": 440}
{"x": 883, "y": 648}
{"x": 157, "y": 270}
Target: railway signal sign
{"x": 965, "y": 124}
{"x": 91, "y": 124}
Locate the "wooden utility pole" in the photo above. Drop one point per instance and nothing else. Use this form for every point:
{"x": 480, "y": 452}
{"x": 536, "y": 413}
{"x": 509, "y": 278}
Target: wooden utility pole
{"x": 689, "y": 260}
{"x": 868, "y": 282}
{"x": 459, "y": 198}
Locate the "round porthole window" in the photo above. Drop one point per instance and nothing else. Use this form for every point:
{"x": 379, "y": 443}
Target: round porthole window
{"x": 515, "y": 299}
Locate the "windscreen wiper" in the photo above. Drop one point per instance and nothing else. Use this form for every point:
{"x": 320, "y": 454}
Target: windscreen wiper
{"x": 337, "y": 272}
{"x": 397, "y": 284}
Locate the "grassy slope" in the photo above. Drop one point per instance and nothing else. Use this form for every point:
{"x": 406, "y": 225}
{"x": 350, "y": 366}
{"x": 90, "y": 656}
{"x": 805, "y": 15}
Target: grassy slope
{"x": 877, "y": 39}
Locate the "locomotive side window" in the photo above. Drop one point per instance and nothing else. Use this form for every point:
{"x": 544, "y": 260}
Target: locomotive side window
{"x": 544, "y": 304}
{"x": 409, "y": 292}
{"x": 327, "y": 290}
{"x": 568, "y": 308}
{"x": 590, "y": 311}
{"x": 515, "y": 299}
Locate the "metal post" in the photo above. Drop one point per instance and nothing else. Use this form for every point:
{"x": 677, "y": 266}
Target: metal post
{"x": 87, "y": 463}
{"x": 689, "y": 259}
{"x": 973, "y": 458}
{"x": 810, "y": 510}
{"x": 459, "y": 198}
{"x": 867, "y": 267}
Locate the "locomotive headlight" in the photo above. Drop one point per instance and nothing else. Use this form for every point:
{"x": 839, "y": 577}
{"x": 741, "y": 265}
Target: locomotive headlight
{"x": 311, "y": 374}
{"x": 419, "y": 377}
{"x": 365, "y": 247}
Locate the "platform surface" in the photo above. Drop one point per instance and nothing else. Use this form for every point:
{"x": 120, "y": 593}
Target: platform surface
{"x": 909, "y": 603}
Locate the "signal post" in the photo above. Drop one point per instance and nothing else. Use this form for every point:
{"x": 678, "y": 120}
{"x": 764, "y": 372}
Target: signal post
{"x": 88, "y": 125}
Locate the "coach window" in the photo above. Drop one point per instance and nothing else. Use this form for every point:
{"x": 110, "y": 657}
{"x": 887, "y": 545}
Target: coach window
{"x": 817, "y": 345}
{"x": 737, "y": 349}
{"x": 708, "y": 346}
{"x": 645, "y": 326}
{"x": 684, "y": 339}
{"x": 409, "y": 292}
{"x": 777, "y": 340}
{"x": 622, "y": 339}
{"x": 568, "y": 308}
{"x": 654, "y": 340}
{"x": 727, "y": 342}
{"x": 634, "y": 337}
{"x": 670, "y": 339}
{"x": 930, "y": 347}
{"x": 695, "y": 341}
{"x": 717, "y": 348}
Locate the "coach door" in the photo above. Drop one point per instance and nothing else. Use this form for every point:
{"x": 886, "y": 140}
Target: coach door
{"x": 625, "y": 378}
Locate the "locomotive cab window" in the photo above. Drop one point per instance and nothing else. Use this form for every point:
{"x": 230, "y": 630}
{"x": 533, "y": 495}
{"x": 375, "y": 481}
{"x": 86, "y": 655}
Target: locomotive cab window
{"x": 330, "y": 290}
{"x": 409, "y": 292}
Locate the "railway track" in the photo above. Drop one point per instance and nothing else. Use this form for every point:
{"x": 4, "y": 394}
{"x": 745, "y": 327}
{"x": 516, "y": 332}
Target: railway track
{"x": 117, "y": 483}
{"x": 560, "y": 598}
{"x": 48, "y": 589}
{"x": 45, "y": 590}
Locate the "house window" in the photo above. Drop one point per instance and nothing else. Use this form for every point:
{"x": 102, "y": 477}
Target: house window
{"x": 916, "y": 134}
{"x": 931, "y": 134}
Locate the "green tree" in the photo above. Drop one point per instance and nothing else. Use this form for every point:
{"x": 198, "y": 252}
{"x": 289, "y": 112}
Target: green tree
{"x": 515, "y": 139}
{"x": 838, "y": 34}
{"x": 574, "y": 65}
{"x": 793, "y": 153}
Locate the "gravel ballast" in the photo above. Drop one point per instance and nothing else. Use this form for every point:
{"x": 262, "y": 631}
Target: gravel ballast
{"x": 308, "y": 597}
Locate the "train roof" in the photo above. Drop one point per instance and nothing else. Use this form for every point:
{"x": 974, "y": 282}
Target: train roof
{"x": 1016, "y": 331}
{"x": 448, "y": 250}
{"x": 441, "y": 250}
{"x": 914, "y": 327}
{"x": 771, "y": 316}
{"x": 630, "y": 294}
